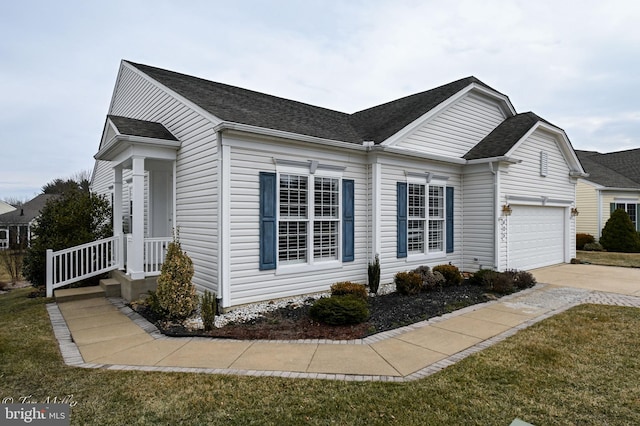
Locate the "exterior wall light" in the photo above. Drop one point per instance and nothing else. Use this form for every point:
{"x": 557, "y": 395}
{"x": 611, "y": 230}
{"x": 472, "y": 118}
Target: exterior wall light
{"x": 574, "y": 212}
{"x": 506, "y": 210}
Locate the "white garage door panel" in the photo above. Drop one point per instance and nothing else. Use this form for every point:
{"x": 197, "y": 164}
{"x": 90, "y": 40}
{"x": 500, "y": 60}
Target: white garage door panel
{"x": 536, "y": 237}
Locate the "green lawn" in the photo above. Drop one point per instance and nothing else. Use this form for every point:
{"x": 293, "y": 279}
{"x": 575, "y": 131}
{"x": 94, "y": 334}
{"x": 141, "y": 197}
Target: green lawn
{"x": 580, "y": 367}
{"x": 610, "y": 259}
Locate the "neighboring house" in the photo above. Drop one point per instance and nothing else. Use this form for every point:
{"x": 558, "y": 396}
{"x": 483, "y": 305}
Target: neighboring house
{"x": 613, "y": 183}
{"x": 16, "y": 225}
{"x": 275, "y": 198}
{"x": 4, "y": 232}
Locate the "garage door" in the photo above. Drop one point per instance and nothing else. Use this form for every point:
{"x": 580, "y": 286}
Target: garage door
{"x": 536, "y": 237}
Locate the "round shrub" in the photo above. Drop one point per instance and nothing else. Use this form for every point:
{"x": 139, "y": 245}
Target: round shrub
{"x": 450, "y": 273}
{"x": 430, "y": 280}
{"x": 341, "y": 310}
{"x": 347, "y": 288}
{"x": 522, "y": 279}
{"x": 408, "y": 282}
{"x": 593, "y": 247}
{"x": 582, "y": 239}
{"x": 619, "y": 234}
{"x": 499, "y": 282}
{"x": 478, "y": 277}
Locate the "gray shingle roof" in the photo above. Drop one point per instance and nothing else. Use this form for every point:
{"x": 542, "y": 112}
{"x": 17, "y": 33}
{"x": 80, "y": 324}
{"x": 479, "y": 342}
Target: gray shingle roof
{"x": 29, "y": 211}
{"x": 614, "y": 170}
{"x": 503, "y": 137}
{"x": 238, "y": 105}
{"x": 148, "y": 129}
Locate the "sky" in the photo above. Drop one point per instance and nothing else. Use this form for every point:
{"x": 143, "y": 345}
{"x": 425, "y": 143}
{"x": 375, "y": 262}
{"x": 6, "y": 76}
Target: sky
{"x": 574, "y": 63}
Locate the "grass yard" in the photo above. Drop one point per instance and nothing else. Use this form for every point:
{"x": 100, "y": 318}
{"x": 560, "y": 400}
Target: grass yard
{"x": 610, "y": 259}
{"x": 580, "y": 367}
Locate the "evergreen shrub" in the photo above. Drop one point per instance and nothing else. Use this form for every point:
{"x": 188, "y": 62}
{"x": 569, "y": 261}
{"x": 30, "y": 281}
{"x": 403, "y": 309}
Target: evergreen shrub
{"x": 619, "y": 234}
{"x": 341, "y": 310}
{"x": 176, "y": 294}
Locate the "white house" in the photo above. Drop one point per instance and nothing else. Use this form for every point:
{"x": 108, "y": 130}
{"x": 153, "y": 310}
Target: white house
{"x": 275, "y": 198}
{"x": 613, "y": 183}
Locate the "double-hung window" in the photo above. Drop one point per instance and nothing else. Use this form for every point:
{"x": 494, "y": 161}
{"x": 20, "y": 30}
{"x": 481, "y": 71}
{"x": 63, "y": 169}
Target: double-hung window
{"x": 425, "y": 217}
{"x": 314, "y": 221}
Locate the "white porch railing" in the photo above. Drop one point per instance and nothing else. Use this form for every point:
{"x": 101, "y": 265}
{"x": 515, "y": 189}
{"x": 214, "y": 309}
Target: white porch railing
{"x": 81, "y": 262}
{"x": 155, "y": 250}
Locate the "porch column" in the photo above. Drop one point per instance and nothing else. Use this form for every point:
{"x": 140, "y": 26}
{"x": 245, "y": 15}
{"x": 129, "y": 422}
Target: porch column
{"x": 137, "y": 246}
{"x": 117, "y": 214}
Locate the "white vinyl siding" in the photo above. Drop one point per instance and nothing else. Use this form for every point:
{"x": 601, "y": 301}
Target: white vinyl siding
{"x": 479, "y": 214}
{"x": 457, "y": 129}
{"x": 524, "y": 180}
{"x": 394, "y": 171}
{"x": 196, "y": 166}
{"x": 247, "y": 283}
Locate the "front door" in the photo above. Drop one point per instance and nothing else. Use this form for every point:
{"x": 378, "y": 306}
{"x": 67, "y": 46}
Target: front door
{"x": 161, "y": 211}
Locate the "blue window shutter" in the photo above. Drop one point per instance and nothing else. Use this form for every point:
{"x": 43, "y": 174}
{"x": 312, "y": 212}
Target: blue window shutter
{"x": 612, "y": 208}
{"x": 402, "y": 219}
{"x": 449, "y": 219}
{"x": 637, "y": 217}
{"x": 348, "y": 221}
{"x": 267, "y": 221}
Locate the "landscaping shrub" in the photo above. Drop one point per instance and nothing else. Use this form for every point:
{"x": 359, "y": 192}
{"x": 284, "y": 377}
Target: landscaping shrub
{"x": 12, "y": 261}
{"x": 74, "y": 218}
{"x": 499, "y": 282}
{"x": 593, "y": 247}
{"x": 341, "y": 310}
{"x": 582, "y": 239}
{"x": 522, "y": 279}
{"x": 373, "y": 272}
{"x": 347, "y": 288}
{"x": 478, "y": 277}
{"x": 450, "y": 273}
{"x": 619, "y": 234}
{"x": 430, "y": 279}
{"x": 176, "y": 295}
{"x": 208, "y": 309}
{"x": 408, "y": 282}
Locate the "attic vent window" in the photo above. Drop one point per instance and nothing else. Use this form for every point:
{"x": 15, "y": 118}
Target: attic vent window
{"x": 544, "y": 163}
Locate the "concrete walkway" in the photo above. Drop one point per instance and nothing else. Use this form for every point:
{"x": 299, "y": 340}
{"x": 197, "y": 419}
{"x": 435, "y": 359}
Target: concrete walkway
{"x": 104, "y": 333}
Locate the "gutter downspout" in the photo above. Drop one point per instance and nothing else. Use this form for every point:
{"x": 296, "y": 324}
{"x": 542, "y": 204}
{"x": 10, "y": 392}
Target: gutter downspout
{"x": 496, "y": 217}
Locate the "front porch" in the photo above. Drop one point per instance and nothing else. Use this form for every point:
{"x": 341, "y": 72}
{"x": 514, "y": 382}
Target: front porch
{"x": 78, "y": 263}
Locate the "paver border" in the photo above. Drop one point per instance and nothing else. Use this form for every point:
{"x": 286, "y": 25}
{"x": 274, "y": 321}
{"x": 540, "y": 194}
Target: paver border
{"x": 72, "y": 356}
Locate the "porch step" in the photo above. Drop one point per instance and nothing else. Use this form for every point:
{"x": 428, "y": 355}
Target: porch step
{"x": 111, "y": 287}
{"x": 80, "y": 293}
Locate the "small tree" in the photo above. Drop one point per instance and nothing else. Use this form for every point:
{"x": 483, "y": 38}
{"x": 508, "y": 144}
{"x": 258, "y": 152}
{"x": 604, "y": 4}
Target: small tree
{"x": 175, "y": 293}
{"x": 75, "y": 217}
{"x": 619, "y": 234}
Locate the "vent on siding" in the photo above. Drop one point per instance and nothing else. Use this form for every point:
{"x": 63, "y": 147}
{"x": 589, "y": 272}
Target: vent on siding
{"x": 544, "y": 163}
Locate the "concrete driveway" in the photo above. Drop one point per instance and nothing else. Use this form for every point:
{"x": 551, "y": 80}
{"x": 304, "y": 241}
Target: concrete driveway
{"x": 610, "y": 279}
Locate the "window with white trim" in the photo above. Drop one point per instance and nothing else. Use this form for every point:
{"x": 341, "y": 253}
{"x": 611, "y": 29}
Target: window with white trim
{"x": 425, "y": 218}
{"x": 309, "y": 212}
{"x": 630, "y": 208}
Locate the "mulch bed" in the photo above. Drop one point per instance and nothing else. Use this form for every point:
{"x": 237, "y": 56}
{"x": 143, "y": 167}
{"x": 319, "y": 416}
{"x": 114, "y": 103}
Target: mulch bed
{"x": 387, "y": 312}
